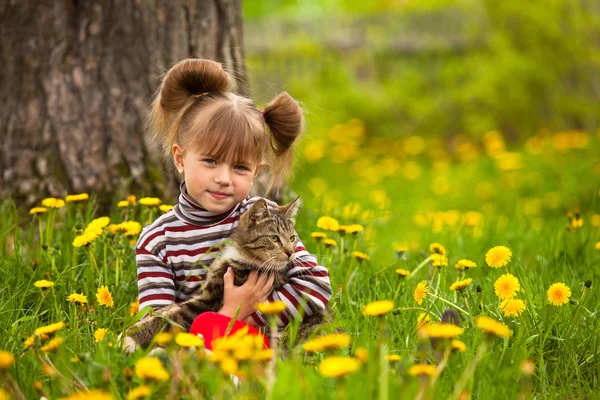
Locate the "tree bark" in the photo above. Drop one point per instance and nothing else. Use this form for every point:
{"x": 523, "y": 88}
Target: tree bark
{"x": 76, "y": 81}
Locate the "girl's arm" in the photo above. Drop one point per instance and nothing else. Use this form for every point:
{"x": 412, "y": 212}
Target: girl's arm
{"x": 156, "y": 285}
{"x": 309, "y": 289}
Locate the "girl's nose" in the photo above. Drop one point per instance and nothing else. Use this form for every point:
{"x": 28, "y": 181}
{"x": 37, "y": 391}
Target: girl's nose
{"x": 223, "y": 176}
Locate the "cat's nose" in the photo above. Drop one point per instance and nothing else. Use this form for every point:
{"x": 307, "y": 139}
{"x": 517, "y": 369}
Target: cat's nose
{"x": 290, "y": 253}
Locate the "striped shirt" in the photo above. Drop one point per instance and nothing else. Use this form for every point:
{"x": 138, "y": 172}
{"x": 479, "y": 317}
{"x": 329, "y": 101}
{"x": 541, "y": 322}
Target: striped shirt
{"x": 174, "y": 252}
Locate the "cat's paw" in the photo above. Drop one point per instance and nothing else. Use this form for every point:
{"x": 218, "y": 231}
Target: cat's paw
{"x": 129, "y": 345}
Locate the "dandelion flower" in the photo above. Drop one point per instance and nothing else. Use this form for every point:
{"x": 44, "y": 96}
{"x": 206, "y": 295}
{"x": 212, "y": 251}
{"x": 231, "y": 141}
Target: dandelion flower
{"x": 422, "y": 370}
{"x": 165, "y": 208}
{"x": 139, "y": 392}
{"x": 129, "y": 228}
{"x": 30, "y": 341}
{"x": 150, "y": 201}
{"x": 360, "y": 256}
{"x": 437, "y": 249}
{"x": 134, "y": 308}
{"x": 362, "y": 354}
{"x": 6, "y": 360}
{"x": 402, "y": 273}
{"x": 461, "y": 285}
{"x": 378, "y": 308}
{"x": 393, "y": 357}
{"x": 493, "y": 327}
{"x": 528, "y": 367}
{"x": 329, "y": 243}
{"x": 85, "y": 239}
{"x": 263, "y": 356}
{"x": 123, "y": 203}
{"x": 272, "y": 308}
{"x": 74, "y": 198}
{"x": 150, "y": 368}
{"x": 327, "y": 342}
{"x": 100, "y": 334}
{"x": 400, "y": 249}
{"x": 88, "y": 395}
{"x": 335, "y": 366}
{"x": 38, "y": 210}
{"x": 597, "y": 246}
{"x": 498, "y": 256}
{"x": 443, "y": 331}
{"x": 49, "y": 329}
{"x": 438, "y": 260}
{"x": 354, "y": 229}
{"x": 52, "y": 202}
{"x": 43, "y": 284}
{"x": 512, "y": 307}
{"x": 423, "y": 321}
{"x": 163, "y": 338}
{"x": 77, "y": 298}
{"x": 104, "y": 297}
{"x": 558, "y": 294}
{"x": 420, "y": 292}
{"x": 52, "y": 345}
{"x": 506, "y": 286}
{"x": 328, "y": 223}
{"x": 100, "y": 222}
{"x": 465, "y": 264}
{"x": 458, "y": 345}
{"x": 188, "y": 340}
{"x": 318, "y": 236}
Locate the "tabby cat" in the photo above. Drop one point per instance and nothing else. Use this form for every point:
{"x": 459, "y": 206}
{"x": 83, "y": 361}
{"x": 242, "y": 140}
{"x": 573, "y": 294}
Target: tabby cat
{"x": 265, "y": 240}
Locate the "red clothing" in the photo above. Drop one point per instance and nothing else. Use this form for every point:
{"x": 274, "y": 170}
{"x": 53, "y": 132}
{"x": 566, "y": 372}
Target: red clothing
{"x": 175, "y": 251}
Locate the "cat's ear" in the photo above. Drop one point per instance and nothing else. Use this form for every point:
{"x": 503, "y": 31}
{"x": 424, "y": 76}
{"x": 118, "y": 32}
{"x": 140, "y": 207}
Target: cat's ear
{"x": 290, "y": 210}
{"x": 258, "y": 211}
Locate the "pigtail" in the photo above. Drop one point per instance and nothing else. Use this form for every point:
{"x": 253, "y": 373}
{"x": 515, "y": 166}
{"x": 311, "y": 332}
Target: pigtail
{"x": 283, "y": 116}
{"x": 183, "y": 86}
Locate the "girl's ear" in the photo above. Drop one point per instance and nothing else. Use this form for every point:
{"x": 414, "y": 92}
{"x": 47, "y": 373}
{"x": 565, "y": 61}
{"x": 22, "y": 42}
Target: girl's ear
{"x": 177, "y": 151}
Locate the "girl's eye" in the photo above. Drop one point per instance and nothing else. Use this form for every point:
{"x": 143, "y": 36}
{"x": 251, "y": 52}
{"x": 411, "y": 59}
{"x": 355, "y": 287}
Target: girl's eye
{"x": 242, "y": 168}
{"x": 209, "y": 161}
{"x": 274, "y": 238}
{"x": 293, "y": 238}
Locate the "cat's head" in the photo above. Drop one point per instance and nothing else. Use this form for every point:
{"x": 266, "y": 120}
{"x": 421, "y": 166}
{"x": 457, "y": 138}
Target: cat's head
{"x": 266, "y": 237}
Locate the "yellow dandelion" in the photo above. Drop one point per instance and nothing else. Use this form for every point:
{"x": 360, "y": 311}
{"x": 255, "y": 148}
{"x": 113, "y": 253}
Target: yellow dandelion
{"x": 402, "y": 273}
{"x": 31, "y": 340}
{"x": 493, "y": 327}
{"x": 85, "y": 239}
{"x": 165, "y": 208}
{"x": 360, "y": 256}
{"x": 229, "y": 365}
{"x": 52, "y": 202}
{"x": 263, "y": 355}
{"x": 43, "y": 284}
{"x": 420, "y": 292}
{"x": 100, "y": 334}
{"x": 100, "y": 222}
{"x": 335, "y": 366}
{"x": 498, "y": 256}
{"x": 437, "y": 249}
{"x": 49, "y": 329}
{"x": 150, "y": 201}
{"x": 438, "y": 260}
{"x": 443, "y": 331}
{"x": 506, "y": 286}
{"x": 354, "y": 229}
{"x": 329, "y": 243}
{"x": 512, "y": 307}
{"x": 123, "y": 203}
{"x": 318, "y": 236}
{"x": 6, "y": 360}
{"x": 272, "y": 308}
{"x": 38, "y": 210}
{"x": 130, "y": 228}
{"x": 558, "y": 294}
{"x": 74, "y": 198}
{"x": 461, "y": 285}
{"x": 378, "y": 308}
{"x": 327, "y": 342}
{"x": 393, "y": 357}
{"x": 458, "y": 345}
{"x": 77, "y": 298}
{"x": 89, "y": 395}
{"x": 362, "y": 354}
{"x": 104, "y": 297}
{"x": 422, "y": 370}
{"x": 399, "y": 248}
{"x": 150, "y": 368}
{"x": 134, "y": 308}
{"x": 597, "y": 246}
{"x": 139, "y": 392}
{"x": 163, "y": 338}
{"x": 328, "y": 223}
{"x": 423, "y": 321}
{"x": 52, "y": 345}
{"x": 74, "y": 359}
{"x": 465, "y": 264}
{"x": 528, "y": 367}
{"x": 188, "y": 340}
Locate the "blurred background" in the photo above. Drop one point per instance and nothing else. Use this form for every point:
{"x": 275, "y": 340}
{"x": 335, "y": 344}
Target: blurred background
{"x": 437, "y": 114}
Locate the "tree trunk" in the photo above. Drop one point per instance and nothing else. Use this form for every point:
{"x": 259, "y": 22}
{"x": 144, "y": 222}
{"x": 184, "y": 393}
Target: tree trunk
{"x": 76, "y": 81}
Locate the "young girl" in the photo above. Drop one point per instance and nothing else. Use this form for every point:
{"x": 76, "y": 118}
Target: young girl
{"x": 218, "y": 142}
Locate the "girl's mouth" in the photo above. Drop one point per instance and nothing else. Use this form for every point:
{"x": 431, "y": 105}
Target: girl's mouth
{"x": 218, "y": 195}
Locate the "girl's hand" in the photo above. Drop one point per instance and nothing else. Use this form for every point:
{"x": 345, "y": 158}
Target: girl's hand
{"x": 255, "y": 290}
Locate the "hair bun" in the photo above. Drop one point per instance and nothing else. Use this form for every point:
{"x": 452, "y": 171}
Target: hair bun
{"x": 192, "y": 77}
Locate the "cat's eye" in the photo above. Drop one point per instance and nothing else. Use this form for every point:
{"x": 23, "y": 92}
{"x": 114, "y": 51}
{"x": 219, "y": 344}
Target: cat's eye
{"x": 293, "y": 238}
{"x": 274, "y": 238}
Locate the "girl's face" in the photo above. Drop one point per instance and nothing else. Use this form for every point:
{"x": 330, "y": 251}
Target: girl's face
{"x": 215, "y": 184}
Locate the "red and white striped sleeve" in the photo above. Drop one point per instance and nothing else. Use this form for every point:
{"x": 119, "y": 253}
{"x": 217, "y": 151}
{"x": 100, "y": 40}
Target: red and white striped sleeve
{"x": 309, "y": 289}
{"x": 156, "y": 283}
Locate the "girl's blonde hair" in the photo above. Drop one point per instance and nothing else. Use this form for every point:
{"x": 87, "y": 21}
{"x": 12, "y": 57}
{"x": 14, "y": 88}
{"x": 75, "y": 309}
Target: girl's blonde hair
{"x": 195, "y": 108}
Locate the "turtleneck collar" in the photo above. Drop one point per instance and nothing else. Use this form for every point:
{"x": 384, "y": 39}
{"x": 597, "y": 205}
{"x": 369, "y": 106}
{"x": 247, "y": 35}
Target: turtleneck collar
{"x": 188, "y": 210}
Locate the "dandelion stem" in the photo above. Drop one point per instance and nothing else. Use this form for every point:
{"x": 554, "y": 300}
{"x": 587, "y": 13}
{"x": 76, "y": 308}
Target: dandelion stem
{"x": 470, "y": 370}
{"x": 423, "y": 263}
{"x": 449, "y": 303}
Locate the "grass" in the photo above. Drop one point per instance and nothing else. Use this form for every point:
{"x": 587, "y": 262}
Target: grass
{"x": 468, "y": 196}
